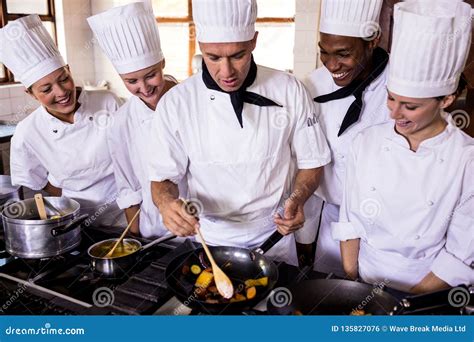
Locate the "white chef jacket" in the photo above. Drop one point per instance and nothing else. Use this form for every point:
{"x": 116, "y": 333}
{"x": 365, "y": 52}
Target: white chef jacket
{"x": 128, "y": 141}
{"x": 73, "y": 157}
{"x": 413, "y": 211}
{"x": 375, "y": 111}
{"x": 240, "y": 176}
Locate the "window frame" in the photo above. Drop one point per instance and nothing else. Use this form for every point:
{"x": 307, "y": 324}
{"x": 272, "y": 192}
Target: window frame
{"x": 191, "y": 29}
{"x": 6, "y": 17}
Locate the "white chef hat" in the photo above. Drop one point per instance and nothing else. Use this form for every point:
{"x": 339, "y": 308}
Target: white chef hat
{"x": 129, "y": 36}
{"x": 27, "y": 49}
{"x": 224, "y": 21}
{"x": 353, "y": 18}
{"x": 431, "y": 41}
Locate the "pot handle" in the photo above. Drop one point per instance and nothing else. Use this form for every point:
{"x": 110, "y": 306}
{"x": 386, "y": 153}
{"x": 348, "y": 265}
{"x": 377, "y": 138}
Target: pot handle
{"x": 269, "y": 243}
{"x": 70, "y": 226}
{"x": 157, "y": 241}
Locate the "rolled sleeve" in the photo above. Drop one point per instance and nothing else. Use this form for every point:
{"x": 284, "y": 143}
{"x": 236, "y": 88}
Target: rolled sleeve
{"x": 25, "y": 167}
{"x": 167, "y": 158}
{"x": 128, "y": 198}
{"x": 343, "y": 231}
{"x": 452, "y": 270}
{"x": 309, "y": 145}
{"x": 454, "y": 263}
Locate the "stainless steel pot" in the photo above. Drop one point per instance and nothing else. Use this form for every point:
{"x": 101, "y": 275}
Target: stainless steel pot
{"x": 26, "y": 236}
{"x": 116, "y": 267}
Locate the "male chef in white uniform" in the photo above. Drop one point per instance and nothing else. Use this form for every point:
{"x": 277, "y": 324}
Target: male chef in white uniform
{"x": 246, "y": 137}
{"x": 351, "y": 91}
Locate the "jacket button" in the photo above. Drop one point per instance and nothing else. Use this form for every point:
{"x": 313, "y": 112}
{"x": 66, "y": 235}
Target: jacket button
{"x": 386, "y": 149}
{"x": 212, "y": 97}
{"x": 441, "y": 160}
{"x": 373, "y": 188}
{"x": 430, "y": 203}
{"x": 55, "y": 131}
{"x": 91, "y": 118}
{"x": 417, "y": 237}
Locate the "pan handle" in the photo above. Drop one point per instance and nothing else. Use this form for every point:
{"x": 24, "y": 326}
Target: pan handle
{"x": 269, "y": 243}
{"x": 159, "y": 240}
{"x": 70, "y": 226}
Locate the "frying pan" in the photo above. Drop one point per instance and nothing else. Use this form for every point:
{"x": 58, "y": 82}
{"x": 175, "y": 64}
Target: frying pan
{"x": 239, "y": 264}
{"x": 331, "y": 297}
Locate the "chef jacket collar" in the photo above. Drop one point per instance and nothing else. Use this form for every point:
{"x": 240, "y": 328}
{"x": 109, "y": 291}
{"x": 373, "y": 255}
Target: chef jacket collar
{"x": 240, "y": 96}
{"x": 78, "y": 114}
{"x": 432, "y": 142}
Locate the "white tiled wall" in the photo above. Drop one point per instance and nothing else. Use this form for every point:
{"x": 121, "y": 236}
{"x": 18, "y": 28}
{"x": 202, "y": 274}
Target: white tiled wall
{"x": 15, "y": 104}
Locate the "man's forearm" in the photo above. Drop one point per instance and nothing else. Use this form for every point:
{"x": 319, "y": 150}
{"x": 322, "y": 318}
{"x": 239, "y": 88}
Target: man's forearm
{"x": 306, "y": 183}
{"x": 129, "y": 214}
{"x": 350, "y": 257}
{"x": 163, "y": 192}
{"x": 52, "y": 190}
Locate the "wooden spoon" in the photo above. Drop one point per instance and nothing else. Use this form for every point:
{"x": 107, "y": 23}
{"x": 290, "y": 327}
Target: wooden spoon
{"x": 40, "y": 205}
{"x": 111, "y": 252}
{"x": 223, "y": 283}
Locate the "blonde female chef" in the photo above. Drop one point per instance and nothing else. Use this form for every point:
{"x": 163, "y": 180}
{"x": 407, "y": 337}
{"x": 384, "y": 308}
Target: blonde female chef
{"x": 350, "y": 88}
{"x": 129, "y": 37}
{"x": 61, "y": 147}
{"x": 407, "y": 211}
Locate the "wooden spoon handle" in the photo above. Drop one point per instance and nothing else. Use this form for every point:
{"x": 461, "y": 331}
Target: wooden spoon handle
{"x": 206, "y": 249}
{"x": 123, "y": 234}
{"x": 40, "y": 205}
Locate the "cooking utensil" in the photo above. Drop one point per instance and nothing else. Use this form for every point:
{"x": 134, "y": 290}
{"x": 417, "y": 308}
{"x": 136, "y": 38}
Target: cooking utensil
{"x": 239, "y": 264}
{"x": 111, "y": 252}
{"x": 40, "y": 206}
{"x": 331, "y": 297}
{"x": 116, "y": 267}
{"x": 27, "y": 236}
{"x": 223, "y": 283}
{"x": 58, "y": 212}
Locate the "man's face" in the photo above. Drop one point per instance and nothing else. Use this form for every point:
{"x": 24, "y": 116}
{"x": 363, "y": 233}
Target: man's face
{"x": 346, "y": 58}
{"x": 228, "y": 63}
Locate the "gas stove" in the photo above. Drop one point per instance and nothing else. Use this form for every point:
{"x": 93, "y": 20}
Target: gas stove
{"x": 67, "y": 284}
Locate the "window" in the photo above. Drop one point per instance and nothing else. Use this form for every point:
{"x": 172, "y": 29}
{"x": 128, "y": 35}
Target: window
{"x": 14, "y": 9}
{"x": 275, "y": 24}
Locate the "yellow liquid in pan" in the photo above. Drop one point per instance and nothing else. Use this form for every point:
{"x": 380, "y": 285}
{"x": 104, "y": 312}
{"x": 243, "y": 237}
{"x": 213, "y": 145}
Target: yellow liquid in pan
{"x": 125, "y": 248}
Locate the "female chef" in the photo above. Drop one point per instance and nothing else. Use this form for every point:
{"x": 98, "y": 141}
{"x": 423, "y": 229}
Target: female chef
{"x": 129, "y": 37}
{"x": 61, "y": 147}
{"x": 351, "y": 90}
{"x": 406, "y": 215}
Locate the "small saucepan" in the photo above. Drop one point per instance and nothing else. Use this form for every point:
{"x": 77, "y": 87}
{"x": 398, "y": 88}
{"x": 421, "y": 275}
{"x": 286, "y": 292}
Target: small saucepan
{"x": 124, "y": 257}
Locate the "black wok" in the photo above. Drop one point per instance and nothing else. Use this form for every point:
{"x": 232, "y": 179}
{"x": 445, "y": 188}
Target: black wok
{"x": 239, "y": 264}
{"x": 331, "y": 297}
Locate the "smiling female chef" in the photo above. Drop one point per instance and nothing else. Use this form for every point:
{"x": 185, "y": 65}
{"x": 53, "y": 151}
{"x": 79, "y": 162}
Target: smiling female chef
{"x": 129, "y": 37}
{"x": 351, "y": 90}
{"x": 407, "y": 211}
{"x": 235, "y": 130}
{"x": 61, "y": 147}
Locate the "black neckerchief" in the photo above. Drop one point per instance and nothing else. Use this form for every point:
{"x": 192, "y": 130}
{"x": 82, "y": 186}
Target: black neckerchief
{"x": 241, "y": 95}
{"x": 357, "y": 88}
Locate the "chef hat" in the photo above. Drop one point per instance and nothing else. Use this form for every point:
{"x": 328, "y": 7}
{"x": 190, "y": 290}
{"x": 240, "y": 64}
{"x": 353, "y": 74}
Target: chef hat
{"x": 224, "y": 21}
{"x": 27, "y": 49}
{"x": 431, "y": 41}
{"x": 353, "y": 18}
{"x": 129, "y": 36}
